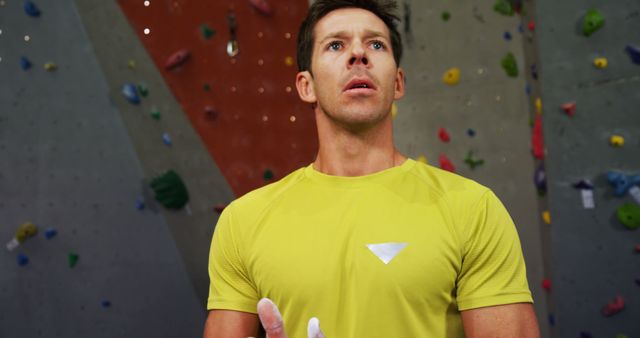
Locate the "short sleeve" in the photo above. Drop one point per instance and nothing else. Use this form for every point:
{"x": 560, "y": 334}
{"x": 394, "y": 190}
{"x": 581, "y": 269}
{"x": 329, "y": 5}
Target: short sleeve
{"x": 230, "y": 286}
{"x": 493, "y": 270}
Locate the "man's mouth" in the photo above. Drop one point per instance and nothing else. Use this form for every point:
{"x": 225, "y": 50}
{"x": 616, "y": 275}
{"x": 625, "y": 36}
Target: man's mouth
{"x": 359, "y": 85}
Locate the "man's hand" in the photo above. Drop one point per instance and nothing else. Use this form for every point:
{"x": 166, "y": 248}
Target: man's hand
{"x": 274, "y": 326}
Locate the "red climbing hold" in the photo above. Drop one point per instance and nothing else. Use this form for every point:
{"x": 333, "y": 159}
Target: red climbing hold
{"x": 443, "y": 135}
{"x": 637, "y": 248}
{"x": 569, "y": 108}
{"x": 531, "y": 26}
{"x": 546, "y": 284}
{"x": 613, "y": 307}
{"x": 177, "y": 59}
{"x": 537, "y": 142}
{"x": 445, "y": 164}
{"x": 262, "y": 6}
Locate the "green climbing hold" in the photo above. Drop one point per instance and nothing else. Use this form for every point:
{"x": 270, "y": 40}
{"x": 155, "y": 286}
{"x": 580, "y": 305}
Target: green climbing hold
{"x": 472, "y": 162}
{"x": 593, "y": 21}
{"x": 446, "y": 16}
{"x": 207, "y": 32}
{"x": 170, "y": 190}
{"x": 629, "y": 216}
{"x": 503, "y": 7}
{"x": 73, "y": 259}
{"x": 143, "y": 90}
{"x": 155, "y": 114}
{"x": 206, "y": 87}
{"x": 510, "y": 65}
{"x": 268, "y": 175}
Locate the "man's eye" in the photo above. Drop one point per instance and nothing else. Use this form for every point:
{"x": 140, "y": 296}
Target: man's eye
{"x": 335, "y": 45}
{"x": 377, "y": 45}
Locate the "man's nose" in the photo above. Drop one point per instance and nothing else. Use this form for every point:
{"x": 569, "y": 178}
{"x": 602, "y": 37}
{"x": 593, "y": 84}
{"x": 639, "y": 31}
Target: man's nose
{"x": 358, "y": 55}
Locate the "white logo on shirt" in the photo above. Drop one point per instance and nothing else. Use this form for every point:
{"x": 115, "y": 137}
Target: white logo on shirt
{"x": 386, "y": 251}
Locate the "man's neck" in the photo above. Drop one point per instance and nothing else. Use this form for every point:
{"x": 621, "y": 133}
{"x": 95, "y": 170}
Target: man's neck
{"x": 347, "y": 153}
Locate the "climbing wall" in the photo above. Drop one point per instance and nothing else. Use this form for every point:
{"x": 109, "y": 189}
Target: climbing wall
{"x": 465, "y": 113}
{"x": 590, "y": 92}
{"x": 103, "y": 262}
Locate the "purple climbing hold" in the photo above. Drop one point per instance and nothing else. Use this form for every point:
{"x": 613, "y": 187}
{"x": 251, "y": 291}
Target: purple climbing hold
{"x": 634, "y": 53}
{"x": 50, "y": 233}
{"x": 540, "y": 179}
{"x": 22, "y": 260}
{"x": 520, "y": 28}
{"x": 131, "y": 93}
{"x": 507, "y": 36}
{"x": 534, "y": 71}
{"x": 583, "y": 185}
{"x": 471, "y": 132}
{"x": 31, "y": 9}
{"x": 25, "y": 63}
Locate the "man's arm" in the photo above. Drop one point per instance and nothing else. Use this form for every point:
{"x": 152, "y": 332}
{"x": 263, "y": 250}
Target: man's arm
{"x": 231, "y": 324}
{"x": 502, "y": 321}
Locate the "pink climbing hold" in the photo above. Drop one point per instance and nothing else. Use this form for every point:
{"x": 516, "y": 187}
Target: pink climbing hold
{"x": 531, "y": 26}
{"x": 443, "y": 135}
{"x": 262, "y": 6}
{"x": 445, "y": 164}
{"x": 569, "y": 108}
{"x": 177, "y": 59}
{"x": 537, "y": 142}
{"x": 613, "y": 307}
{"x": 546, "y": 284}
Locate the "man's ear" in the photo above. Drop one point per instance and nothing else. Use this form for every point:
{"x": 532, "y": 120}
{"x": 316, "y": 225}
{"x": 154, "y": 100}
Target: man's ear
{"x": 400, "y": 83}
{"x": 304, "y": 84}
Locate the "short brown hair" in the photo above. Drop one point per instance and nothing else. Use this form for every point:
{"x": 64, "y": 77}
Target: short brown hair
{"x": 383, "y": 9}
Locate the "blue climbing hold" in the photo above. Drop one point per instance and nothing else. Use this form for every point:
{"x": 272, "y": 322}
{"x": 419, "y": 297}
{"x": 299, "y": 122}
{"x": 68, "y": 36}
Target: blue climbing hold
{"x": 140, "y": 203}
{"x": 131, "y": 93}
{"x": 31, "y": 9}
{"x": 50, "y": 233}
{"x": 552, "y": 320}
{"x": 622, "y": 183}
{"x": 471, "y": 132}
{"x": 507, "y": 36}
{"x": 22, "y": 260}
{"x": 166, "y": 139}
{"x": 25, "y": 63}
{"x": 634, "y": 53}
{"x": 520, "y": 28}
{"x": 105, "y": 303}
{"x": 527, "y": 89}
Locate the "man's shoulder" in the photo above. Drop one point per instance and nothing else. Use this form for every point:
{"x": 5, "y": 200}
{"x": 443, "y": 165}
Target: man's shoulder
{"x": 263, "y": 196}
{"x": 448, "y": 184}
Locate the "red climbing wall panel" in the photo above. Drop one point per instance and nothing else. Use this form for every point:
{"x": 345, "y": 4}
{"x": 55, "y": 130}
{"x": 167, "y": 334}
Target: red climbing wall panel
{"x": 260, "y": 123}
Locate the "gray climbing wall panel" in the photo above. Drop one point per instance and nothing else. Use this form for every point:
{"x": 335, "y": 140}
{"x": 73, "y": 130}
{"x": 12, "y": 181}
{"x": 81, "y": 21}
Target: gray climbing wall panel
{"x": 486, "y": 100}
{"x": 593, "y": 254}
{"x": 67, "y": 163}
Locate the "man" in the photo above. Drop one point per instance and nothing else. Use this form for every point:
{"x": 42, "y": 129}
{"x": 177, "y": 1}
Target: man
{"x": 363, "y": 240}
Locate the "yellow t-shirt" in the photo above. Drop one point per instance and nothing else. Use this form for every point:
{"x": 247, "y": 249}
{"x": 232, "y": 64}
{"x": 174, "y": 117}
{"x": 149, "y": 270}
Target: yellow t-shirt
{"x": 397, "y": 253}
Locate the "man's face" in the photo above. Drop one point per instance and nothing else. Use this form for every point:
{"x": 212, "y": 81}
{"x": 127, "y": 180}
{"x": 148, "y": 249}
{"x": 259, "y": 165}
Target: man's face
{"x": 355, "y": 78}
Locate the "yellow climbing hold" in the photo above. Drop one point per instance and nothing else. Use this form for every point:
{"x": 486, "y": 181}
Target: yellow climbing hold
{"x": 546, "y": 217}
{"x": 422, "y": 159}
{"x": 394, "y": 111}
{"x": 26, "y": 230}
{"x": 50, "y": 66}
{"x": 131, "y": 64}
{"x": 538, "y": 106}
{"x": 616, "y": 141}
{"x": 451, "y": 76}
{"x": 288, "y": 61}
{"x": 600, "y": 63}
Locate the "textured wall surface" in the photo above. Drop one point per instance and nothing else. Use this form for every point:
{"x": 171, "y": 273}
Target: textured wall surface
{"x": 594, "y": 259}
{"x": 486, "y": 100}
{"x": 67, "y": 163}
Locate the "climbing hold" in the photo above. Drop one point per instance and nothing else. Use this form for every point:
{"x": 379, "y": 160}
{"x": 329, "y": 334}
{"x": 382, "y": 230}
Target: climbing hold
{"x": 143, "y": 90}
{"x": 569, "y": 108}
{"x": 446, "y": 16}
{"x": 520, "y": 28}
{"x": 262, "y": 6}
{"x": 288, "y": 61}
{"x": 531, "y": 25}
{"x": 177, "y": 59}
{"x": 131, "y": 64}
{"x": 600, "y": 63}
{"x": 206, "y": 87}
{"x": 540, "y": 179}
{"x": 105, "y": 303}
{"x": 31, "y": 9}
{"x": 394, "y": 111}
{"x": 50, "y": 233}
{"x": 451, "y": 76}
{"x": 22, "y": 259}
{"x": 629, "y": 215}
{"x": 552, "y": 320}
{"x": 637, "y": 248}
{"x": 471, "y": 132}
{"x": 507, "y": 36}
{"x": 130, "y": 93}
{"x": 73, "y": 259}
{"x": 613, "y": 307}
{"x": 166, "y": 139}
{"x": 170, "y": 190}
{"x": 219, "y": 208}
{"x": 25, "y": 63}
{"x": 50, "y": 66}
{"x": 583, "y": 185}
{"x": 592, "y": 22}
{"x": 546, "y": 217}
{"x": 140, "y": 203}
{"x": 510, "y": 65}
{"x": 634, "y": 53}
{"x": 538, "y": 106}
{"x": 586, "y": 189}
{"x": 537, "y": 141}
{"x": 527, "y": 89}
{"x": 210, "y": 113}
{"x": 267, "y": 175}
{"x": 446, "y": 164}
{"x": 503, "y": 7}
{"x": 534, "y": 71}
{"x": 546, "y": 284}
{"x": 585, "y": 334}
{"x": 443, "y": 135}
{"x": 155, "y": 113}
{"x": 422, "y": 159}
{"x": 471, "y": 162}
{"x": 622, "y": 183}
{"x": 206, "y": 31}
{"x": 26, "y": 230}
{"x": 616, "y": 140}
